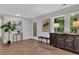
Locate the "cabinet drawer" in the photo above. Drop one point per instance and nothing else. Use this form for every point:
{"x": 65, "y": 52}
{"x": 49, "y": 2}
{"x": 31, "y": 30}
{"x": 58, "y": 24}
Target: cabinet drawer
{"x": 69, "y": 43}
{"x": 60, "y": 41}
{"x": 76, "y": 44}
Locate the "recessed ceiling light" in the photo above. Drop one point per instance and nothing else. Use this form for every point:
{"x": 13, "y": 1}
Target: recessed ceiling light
{"x": 72, "y": 14}
{"x": 17, "y": 14}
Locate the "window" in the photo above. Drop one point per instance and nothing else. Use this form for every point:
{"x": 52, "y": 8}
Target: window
{"x": 59, "y": 24}
{"x": 73, "y": 29}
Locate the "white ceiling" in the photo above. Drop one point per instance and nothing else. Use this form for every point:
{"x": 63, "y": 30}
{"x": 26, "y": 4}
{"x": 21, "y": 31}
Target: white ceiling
{"x": 30, "y": 10}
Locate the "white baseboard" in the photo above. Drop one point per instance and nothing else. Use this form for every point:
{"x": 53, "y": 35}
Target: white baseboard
{"x": 31, "y": 37}
{"x": 26, "y": 38}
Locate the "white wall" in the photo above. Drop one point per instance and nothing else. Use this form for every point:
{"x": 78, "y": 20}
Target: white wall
{"x": 27, "y": 28}
{"x": 26, "y": 24}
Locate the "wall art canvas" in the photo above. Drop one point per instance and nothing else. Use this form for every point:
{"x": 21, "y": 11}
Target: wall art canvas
{"x": 46, "y": 25}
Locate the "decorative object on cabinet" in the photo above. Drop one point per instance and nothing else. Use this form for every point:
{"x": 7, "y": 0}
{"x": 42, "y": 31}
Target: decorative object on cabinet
{"x": 73, "y": 19}
{"x": 56, "y": 25}
{"x": 76, "y": 24}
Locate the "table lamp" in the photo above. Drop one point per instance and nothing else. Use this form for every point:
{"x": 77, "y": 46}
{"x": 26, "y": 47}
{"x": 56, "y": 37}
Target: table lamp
{"x": 56, "y": 25}
{"x": 76, "y": 24}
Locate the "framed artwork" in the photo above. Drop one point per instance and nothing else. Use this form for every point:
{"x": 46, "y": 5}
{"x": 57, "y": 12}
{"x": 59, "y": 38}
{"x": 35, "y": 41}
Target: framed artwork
{"x": 46, "y": 25}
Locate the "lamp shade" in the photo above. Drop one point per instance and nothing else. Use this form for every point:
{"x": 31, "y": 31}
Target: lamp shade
{"x": 56, "y": 25}
{"x": 76, "y": 24}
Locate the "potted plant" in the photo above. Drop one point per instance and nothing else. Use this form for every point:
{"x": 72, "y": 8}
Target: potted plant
{"x": 8, "y": 27}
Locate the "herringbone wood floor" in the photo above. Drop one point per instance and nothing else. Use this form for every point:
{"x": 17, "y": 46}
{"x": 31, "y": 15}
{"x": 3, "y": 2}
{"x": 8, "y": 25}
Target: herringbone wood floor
{"x": 31, "y": 47}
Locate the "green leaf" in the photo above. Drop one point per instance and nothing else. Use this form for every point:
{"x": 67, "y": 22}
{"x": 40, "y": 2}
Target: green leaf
{"x": 8, "y": 27}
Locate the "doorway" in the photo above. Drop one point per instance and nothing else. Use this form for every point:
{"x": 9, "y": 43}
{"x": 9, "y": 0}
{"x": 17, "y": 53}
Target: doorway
{"x": 35, "y": 29}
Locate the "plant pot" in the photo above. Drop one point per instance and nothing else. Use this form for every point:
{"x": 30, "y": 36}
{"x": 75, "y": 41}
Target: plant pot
{"x": 8, "y": 42}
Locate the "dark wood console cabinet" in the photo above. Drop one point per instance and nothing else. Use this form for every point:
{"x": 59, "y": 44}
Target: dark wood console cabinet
{"x": 66, "y": 41}
{"x": 76, "y": 43}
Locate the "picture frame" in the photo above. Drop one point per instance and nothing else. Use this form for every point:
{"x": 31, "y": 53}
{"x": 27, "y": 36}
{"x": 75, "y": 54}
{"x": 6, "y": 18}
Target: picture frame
{"x": 46, "y": 25}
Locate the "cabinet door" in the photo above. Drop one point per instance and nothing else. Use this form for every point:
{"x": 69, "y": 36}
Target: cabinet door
{"x": 53, "y": 40}
{"x": 60, "y": 41}
{"x": 69, "y": 43}
{"x": 77, "y": 44}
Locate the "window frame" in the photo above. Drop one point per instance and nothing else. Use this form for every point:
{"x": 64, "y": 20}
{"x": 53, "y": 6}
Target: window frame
{"x": 64, "y": 16}
{"x": 70, "y": 15}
